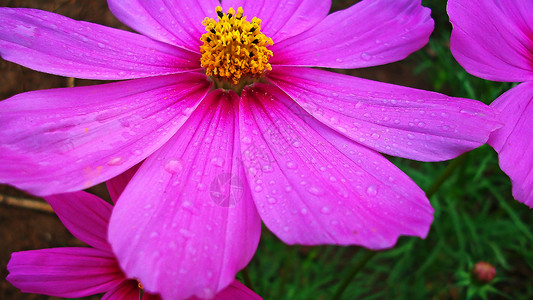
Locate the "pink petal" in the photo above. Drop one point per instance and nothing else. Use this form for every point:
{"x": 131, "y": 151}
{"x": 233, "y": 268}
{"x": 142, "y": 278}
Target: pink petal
{"x": 64, "y": 272}
{"x": 514, "y": 142}
{"x": 391, "y": 119}
{"x": 85, "y": 216}
{"x": 493, "y": 39}
{"x": 116, "y": 185}
{"x": 62, "y": 140}
{"x": 282, "y": 19}
{"x": 51, "y": 43}
{"x": 370, "y": 33}
{"x": 128, "y": 290}
{"x": 317, "y": 187}
{"x": 174, "y": 22}
{"x": 148, "y": 296}
{"x": 196, "y": 226}
{"x": 237, "y": 291}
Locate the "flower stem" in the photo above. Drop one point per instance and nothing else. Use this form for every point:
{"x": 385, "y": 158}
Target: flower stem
{"x": 247, "y": 279}
{"x": 433, "y": 188}
{"x": 448, "y": 171}
{"x": 348, "y": 279}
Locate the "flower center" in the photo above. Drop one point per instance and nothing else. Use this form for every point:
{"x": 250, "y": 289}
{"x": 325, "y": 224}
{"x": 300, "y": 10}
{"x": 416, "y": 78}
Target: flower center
{"x": 235, "y": 51}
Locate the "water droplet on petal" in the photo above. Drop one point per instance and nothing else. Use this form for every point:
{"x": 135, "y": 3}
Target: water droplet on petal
{"x": 365, "y": 56}
{"x": 258, "y": 188}
{"x": 217, "y": 161}
{"x": 186, "y": 233}
{"x": 291, "y": 165}
{"x": 246, "y": 140}
{"x": 372, "y": 190}
{"x": 115, "y": 161}
{"x": 173, "y": 166}
{"x": 316, "y": 190}
{"x": 325, "y": 210}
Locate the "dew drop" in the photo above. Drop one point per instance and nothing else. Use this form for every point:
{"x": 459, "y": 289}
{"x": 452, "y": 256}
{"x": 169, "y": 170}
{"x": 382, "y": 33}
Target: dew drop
{"x": 115, "y": 161}
{"x": 372, "y": 190}
{"x": 315, "y": 191}
{"x": 365, "y": 56}
{"x": 325, "y": 210}
{"x": 200, "y": 186}
{"x": 217, "y": 161}
{"x": 173, "y": 166}
{"x": 258, "y": 188}
{"x": 186, "y": 233}
{"x": 246, "y": 140}
{"x": 292, "y": 165}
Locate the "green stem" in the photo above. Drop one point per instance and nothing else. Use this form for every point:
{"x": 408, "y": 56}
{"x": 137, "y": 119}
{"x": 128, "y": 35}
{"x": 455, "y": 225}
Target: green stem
{"x": 247, "y": 279}
{"x": 348, "y": 279}
{"x": 445, "y": 174}
{"x": 429, "y": 193}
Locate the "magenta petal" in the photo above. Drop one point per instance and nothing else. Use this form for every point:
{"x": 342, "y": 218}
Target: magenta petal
{"x": 174, "y": 22}
{"x": 62, "y": 140}
{"x": 64, "y": 272}
{"x": 128, "y": 290}
{"x": 514, "y": 142}
{"x": 282, "y": 19}
{"x": 51, "y": 43}
{"x": 319, "y": 187}
{"x": 148, "y": 296}
{"x": 116, "y": 185}
{"x": 493, "y": 39}
{"x": 196, "y": 226}
{"x": 85, "y": 216}
{"x": 237, "y": 291}
{"x": 370, "y": 33}
{"x": 391, "y": 119}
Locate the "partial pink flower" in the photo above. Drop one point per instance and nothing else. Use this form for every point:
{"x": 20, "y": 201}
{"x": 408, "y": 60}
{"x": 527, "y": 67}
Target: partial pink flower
{"x": 292, "y": 146}
{"x": 493, "y": 40}
{"x": 73, "y": 272}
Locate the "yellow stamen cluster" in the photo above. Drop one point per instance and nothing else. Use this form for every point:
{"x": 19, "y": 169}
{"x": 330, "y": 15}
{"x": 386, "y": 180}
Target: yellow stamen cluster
{"x": 234, "y": 49}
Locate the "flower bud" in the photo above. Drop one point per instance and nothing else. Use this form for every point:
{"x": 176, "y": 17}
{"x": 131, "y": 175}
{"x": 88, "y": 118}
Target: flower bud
{"x": 484, "y": 272}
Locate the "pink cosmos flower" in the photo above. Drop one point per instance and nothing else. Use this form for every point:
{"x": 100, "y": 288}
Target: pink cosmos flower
{"x": 73, "y": 272}
{"x": 232, "y": 128}
{"x": 493, "y": 39}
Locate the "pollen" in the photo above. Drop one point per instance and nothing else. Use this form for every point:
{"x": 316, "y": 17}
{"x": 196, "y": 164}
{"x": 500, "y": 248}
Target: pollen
{"x": 234, "y": 50}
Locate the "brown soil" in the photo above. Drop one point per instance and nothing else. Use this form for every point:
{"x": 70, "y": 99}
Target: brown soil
{"x": 27, "y": 229}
